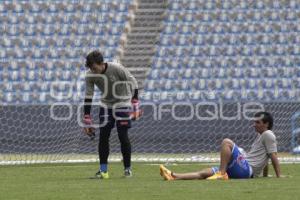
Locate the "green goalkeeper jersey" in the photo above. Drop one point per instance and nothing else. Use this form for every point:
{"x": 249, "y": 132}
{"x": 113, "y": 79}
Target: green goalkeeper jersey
{"x": 116, "y": 85}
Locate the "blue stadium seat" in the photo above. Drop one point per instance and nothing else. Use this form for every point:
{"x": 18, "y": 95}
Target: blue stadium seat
{"x": 32, "y": 75}
{"x": 3, "y": 8}
{"x": 26, "y": 97}
{"x": 222, "y": 47}
{"x": 150, "y": 85}
{"x": 146, "y": 96}
{"x": 9, "y": 97}
{"x": 201, "y": 84}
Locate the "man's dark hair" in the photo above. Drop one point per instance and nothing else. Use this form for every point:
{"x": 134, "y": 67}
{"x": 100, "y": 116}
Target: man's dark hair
{"x": 266, "y": 118}
{"x": 94, "y": 57}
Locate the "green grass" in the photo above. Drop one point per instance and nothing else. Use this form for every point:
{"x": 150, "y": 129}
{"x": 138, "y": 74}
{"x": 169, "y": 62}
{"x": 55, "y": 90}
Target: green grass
{"x": 70, "y": 181}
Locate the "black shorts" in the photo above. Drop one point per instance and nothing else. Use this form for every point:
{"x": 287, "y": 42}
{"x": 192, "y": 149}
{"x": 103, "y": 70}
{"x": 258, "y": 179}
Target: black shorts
{"x": 108, "y": 117}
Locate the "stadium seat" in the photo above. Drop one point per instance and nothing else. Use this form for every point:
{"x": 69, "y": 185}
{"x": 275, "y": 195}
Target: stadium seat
{"x": 201, "y": 84}
{"x": 146, "y": 96}
{"x": 25, "y": 97}
{"x": 8, "y": 87}
{"x": 181, "y": 96}
{"x": 165, "y": 96}
{"x": 150, "y": 85}
{"x": 13, "y": 31}
{"x": 14, "y": 75}
{"x": 49, "y": 75}
{"x": 3, "y": 8}
{"x": 9, "y": 97}
{"x": 201, "y": 45}
{"x": 31, "y": 75}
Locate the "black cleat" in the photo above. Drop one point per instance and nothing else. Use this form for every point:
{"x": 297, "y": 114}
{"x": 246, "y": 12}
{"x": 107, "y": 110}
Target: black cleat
{"x": 127, "y": 173}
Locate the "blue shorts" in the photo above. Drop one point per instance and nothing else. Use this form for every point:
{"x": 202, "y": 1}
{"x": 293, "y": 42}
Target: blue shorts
{"x": 238, "y": 167}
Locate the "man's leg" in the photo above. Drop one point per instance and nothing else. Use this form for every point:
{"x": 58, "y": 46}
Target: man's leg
{"x": 170, "y": 176}
{"x": 125, "y": 146}
{"x": 123, "y": 125}
{"x": 203, "y": 174}
{"x": 103, "y": 147}
{"x": 107, "y": 122}
{"x": 225, "y": 154}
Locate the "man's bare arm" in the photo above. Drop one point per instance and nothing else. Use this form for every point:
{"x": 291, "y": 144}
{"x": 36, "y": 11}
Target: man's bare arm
{"x": 275, "y": 163}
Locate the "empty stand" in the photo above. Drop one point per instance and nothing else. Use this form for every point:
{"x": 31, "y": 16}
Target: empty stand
{"x": 229, "y": 50}
{"x": 43, "y": 42}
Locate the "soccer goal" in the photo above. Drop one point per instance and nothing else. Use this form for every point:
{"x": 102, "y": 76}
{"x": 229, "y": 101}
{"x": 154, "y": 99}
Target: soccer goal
{"x": 166, "y": 133}
{"x": 205, "y": 68}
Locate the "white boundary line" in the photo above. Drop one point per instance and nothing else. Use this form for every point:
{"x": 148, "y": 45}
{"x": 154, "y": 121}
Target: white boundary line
{"x": 283, "y": 160}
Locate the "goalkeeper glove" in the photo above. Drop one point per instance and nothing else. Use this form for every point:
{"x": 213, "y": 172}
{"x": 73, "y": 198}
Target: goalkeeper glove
{"x": 88, "y": 129}
{"x": 136, "y": 112}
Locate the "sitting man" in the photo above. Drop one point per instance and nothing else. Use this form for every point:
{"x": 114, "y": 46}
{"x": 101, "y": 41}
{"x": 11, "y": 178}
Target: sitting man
{"x": 234, "y": 164}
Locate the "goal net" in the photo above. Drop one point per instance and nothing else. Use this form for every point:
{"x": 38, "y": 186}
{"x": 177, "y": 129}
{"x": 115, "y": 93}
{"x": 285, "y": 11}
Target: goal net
{"x": 213, "y": 65}
{"x": 168, "y": 132}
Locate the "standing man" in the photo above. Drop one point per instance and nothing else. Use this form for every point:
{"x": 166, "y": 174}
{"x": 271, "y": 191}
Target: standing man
{"x": 119, "y": 105}
{"x": 234, "y": 164}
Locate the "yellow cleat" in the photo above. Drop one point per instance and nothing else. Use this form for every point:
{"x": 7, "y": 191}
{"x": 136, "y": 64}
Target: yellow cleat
{"x": 100, "y": 175}
{"x": 218, "y": 176}
{"x": 165, "y": 173}
{"x": 104, "y": 175}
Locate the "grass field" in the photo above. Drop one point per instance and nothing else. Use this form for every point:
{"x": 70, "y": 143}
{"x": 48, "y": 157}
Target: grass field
{"x": 71, "y": 181}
